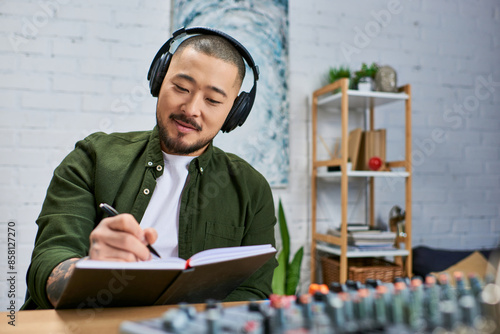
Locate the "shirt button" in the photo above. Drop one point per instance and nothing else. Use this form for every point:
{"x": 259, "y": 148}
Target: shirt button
{"x": 201, "y": 170}
{"x": 150, "y": 163}
{"x": 159, "y": 168}
{"x": 146, "y": 191}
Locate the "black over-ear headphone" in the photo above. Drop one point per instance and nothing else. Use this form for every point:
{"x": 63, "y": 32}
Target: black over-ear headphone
{"x": 243, "y": 103}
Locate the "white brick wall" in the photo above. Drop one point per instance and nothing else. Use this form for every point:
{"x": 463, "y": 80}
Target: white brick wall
{"x": 65, "y": 67}
{"x": 68, "y": 69}
{"x": 446, "y": 50}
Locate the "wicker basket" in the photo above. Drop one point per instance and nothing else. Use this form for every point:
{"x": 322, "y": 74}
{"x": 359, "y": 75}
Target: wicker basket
{"x": 359, "y": 269}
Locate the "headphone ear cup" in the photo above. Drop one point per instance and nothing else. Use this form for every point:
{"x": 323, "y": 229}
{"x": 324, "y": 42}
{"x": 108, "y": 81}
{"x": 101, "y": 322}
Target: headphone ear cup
{"x": 158, "y": 73}
{"x": 238, "y": 113}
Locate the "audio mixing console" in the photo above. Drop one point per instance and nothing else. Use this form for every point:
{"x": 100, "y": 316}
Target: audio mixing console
{"x": 404, "y": 306}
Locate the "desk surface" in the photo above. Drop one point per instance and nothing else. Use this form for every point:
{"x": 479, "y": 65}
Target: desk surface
{"x": 82, "y": 321}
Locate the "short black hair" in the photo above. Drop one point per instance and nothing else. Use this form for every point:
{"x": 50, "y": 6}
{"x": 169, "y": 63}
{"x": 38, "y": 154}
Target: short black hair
{"x": 218, "y": 47}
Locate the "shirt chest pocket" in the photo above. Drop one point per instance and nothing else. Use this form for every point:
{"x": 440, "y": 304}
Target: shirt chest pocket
{"x": 223, "y": 235}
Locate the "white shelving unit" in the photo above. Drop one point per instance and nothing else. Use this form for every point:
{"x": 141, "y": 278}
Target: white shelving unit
{"x": 345, "y": 101}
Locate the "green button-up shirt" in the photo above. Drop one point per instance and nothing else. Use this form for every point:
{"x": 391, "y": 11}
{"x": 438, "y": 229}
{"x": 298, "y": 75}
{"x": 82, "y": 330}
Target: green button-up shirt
{"x": 225, "y": 202}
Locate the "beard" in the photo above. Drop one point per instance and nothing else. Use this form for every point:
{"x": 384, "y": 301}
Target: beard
{"x": 174, "y": 145}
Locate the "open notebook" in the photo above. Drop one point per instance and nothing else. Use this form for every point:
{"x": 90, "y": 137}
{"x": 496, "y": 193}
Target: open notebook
{"x": 210, "y": 274}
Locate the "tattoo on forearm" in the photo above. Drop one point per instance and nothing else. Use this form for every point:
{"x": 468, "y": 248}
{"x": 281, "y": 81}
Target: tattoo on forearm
{"x": 58, "y": 279}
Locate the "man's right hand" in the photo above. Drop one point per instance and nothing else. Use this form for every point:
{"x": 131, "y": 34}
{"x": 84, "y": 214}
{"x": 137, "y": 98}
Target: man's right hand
{"x": 117, "y": 238}
{"x": 120, "y": 238}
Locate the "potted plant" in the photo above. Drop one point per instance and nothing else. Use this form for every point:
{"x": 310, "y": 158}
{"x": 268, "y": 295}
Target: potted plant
{"x": 364, "y": 78}
{"x": 287, "y": 274}
{"x": 340, "y": 72}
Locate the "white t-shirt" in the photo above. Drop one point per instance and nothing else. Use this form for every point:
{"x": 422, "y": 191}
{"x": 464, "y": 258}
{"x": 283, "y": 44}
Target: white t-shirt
{"x": 162, "y": 212}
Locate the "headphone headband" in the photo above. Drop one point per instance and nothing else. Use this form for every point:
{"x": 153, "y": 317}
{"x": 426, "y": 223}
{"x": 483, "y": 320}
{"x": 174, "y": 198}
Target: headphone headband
{"x": 182, "y": 32}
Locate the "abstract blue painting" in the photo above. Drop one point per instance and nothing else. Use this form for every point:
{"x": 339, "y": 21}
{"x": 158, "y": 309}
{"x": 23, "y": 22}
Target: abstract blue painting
{"x": 262, "y": 27}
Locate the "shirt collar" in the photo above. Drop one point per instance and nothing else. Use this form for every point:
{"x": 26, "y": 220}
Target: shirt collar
{"x": 201, "y": 162}
{"x": 155, "y": 157}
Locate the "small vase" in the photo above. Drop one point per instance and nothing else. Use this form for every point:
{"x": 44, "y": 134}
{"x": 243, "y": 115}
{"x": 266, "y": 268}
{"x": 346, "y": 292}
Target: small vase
{"x": 365, "y": 84}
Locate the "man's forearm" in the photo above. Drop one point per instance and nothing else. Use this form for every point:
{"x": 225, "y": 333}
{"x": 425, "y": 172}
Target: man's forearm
{"x": 58, "y": 279}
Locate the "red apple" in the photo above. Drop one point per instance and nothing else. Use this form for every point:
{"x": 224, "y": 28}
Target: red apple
{"x": 374, "y": 163}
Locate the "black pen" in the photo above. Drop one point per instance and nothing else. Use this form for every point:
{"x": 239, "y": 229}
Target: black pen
{"x": 112, "y": 212}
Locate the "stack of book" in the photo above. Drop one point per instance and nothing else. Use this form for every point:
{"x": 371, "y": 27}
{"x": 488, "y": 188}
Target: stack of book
{"x": 362, "y": 236}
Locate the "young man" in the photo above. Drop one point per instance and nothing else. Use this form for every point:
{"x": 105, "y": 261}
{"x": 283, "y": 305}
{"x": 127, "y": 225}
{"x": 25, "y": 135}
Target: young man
{"x": 186, "y": 194}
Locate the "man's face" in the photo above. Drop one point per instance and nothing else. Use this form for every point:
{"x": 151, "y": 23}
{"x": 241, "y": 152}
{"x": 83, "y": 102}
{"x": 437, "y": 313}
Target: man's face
{"x": 194, "y": 100}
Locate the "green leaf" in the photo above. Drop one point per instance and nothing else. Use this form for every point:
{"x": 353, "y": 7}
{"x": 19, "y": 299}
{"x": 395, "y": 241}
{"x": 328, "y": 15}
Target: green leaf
{"x": 336, "y": 73}
{"x": 278, "y": 283}
{"x": 286, "y": 275}
{"x": 285, "y": 237}
{"x": 293, "y": 273}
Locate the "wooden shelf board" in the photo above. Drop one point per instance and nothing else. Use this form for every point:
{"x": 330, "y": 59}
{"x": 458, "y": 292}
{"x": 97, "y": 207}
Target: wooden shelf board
{"x": 326, "y": 163}
{"x": 327, "y": 238}
{"x": 362, "y": 100}
{"x": 362, "y": 253}
{"x": 363, "y": 173}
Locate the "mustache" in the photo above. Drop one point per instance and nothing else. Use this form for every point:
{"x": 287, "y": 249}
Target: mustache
{"x": 185, "y": 119}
